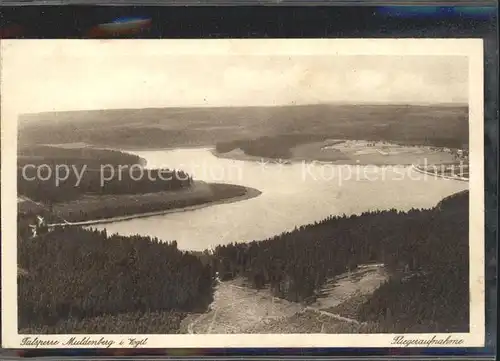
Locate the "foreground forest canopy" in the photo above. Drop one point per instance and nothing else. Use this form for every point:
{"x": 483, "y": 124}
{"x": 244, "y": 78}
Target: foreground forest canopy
{"x": 88, "y": 279}
{"x": 106, "y": 283}
{"x": 425, "y": 250}
{"x": 438, "y": 125}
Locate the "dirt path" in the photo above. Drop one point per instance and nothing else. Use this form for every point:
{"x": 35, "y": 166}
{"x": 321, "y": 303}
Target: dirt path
{"x": 332, "y": 315}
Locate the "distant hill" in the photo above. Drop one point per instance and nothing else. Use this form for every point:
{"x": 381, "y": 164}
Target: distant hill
{"x": 442, "y": 125}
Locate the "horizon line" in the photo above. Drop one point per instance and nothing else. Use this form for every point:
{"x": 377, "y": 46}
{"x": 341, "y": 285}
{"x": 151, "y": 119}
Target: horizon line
{"x": 422, "y": 104}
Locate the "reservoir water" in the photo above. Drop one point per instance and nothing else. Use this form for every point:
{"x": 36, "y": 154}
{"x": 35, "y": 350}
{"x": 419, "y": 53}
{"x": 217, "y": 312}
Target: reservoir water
{"x": 292, "y": 195}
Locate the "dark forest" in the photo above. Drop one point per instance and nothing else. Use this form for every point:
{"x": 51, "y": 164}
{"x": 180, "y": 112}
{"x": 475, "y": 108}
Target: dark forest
{"x": 76, "y": 279}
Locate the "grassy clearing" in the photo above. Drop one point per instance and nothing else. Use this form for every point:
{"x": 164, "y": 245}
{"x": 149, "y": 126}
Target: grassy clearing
{"x": 240, "y": 309}
{"x": 349, "y": 287}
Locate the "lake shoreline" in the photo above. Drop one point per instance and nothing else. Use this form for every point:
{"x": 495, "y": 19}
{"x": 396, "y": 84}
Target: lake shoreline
{"x": 249, "y": 194}
{"x": 289, "y": 198}
{"x": 288, "y": 149}
{"x": 241, "y": 156}
{"x": 437, "y": 175}
{"x": 128, "y": 149}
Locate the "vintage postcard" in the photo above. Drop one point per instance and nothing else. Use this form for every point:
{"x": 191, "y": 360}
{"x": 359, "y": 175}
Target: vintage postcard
{"x": 242, "y": 193}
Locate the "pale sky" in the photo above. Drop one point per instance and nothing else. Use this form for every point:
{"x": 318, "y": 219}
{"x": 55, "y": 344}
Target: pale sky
{"x": 56, "y": 76}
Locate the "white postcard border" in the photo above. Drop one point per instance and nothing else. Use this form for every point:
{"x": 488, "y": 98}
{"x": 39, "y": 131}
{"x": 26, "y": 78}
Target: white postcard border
{"x": 471, "y": 48}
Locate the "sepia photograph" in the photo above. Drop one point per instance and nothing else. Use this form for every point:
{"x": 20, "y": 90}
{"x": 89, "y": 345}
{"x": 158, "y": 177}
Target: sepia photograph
{"x": 229, "y": 193}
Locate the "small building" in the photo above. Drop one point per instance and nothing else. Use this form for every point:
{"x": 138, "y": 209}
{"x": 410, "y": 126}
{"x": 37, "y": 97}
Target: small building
{"x": 40, "y": 227}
